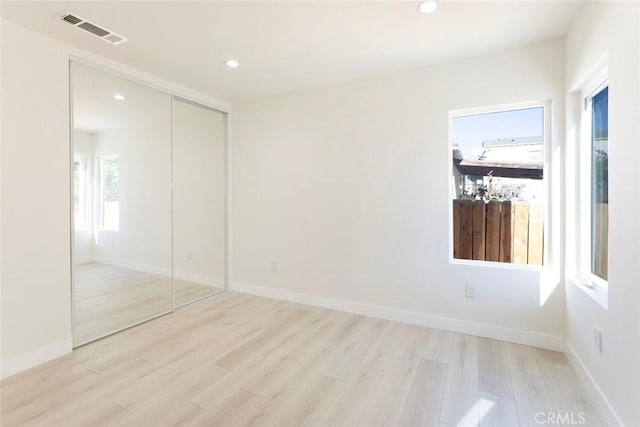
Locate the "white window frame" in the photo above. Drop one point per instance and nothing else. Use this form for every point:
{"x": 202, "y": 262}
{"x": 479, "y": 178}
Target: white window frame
{"x": 547, "y": 264}
{"x": 598, "y": 285}
{"x": 100, "y": 167}
{"x": 82, "y": 194}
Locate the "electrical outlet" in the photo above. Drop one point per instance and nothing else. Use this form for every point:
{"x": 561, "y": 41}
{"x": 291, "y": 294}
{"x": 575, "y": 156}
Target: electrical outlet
{"x": 274, "y": 266}
{"x": 469, "y": 290}
{"x": 597, "y": 339}
{"x": 113, "y": 244}
{"x": 189, "y": 255}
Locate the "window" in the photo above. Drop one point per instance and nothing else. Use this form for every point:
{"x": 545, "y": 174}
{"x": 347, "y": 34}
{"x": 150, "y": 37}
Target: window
{"x": 109, "y": 193}
{"x": 595, "y": 186}
{"x": 497, "y": 187}
{"x": 80, "y": 193}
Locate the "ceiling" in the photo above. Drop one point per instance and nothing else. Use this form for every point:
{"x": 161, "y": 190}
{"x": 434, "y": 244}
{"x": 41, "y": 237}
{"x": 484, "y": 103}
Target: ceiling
{"x": 287, "y": 45}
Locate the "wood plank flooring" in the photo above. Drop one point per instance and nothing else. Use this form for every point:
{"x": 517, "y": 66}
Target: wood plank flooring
{"x": 109, "y": 298}
{"x": 241, "y": 360}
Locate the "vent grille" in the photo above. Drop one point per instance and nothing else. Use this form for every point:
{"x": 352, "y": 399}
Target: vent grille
{"x": 71, "y": 19}
{"x": 114, "y": 38}
{"x": 91, "y": 28}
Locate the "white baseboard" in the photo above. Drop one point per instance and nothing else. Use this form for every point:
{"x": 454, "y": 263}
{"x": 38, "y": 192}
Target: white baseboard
{"x": 600, "y": 401}
{"x": 36, "y": 357}
{"x": 133, "y": 265}
{"x": 84, "y": 259}
{"x": 535, "y": 339}
{"x": 200, "y": 279}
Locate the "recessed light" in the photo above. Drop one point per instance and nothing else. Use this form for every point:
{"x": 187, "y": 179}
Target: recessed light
{"x": 428, "y": 6}
{"x": 119, "y": 96}
{"x": 232, "y": 63}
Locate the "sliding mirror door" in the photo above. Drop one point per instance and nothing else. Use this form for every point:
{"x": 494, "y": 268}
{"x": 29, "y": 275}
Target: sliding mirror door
{"x": 198, "y": 201}
{"x": 121, "y": 188}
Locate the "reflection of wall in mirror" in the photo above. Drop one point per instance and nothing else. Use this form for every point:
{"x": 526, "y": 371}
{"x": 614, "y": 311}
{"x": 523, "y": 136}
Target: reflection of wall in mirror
{"x": 143, "y": 239}
{"x": 144, "y": 233}
{"x": 199, "y": 176}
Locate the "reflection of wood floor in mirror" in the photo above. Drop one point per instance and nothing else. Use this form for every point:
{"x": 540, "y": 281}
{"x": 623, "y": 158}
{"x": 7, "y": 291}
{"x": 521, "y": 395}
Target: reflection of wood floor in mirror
{"x": 108, "y": 298}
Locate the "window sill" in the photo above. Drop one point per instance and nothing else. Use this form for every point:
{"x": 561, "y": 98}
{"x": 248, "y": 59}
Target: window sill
{"x": 493, "y": 264}
{"x": 597, "y": 292}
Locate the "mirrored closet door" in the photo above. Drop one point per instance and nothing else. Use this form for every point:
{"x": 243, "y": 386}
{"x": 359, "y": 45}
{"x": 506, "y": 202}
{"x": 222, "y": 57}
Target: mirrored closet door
{"x": 148, "y": 175}
{"x": 198, "y": 201}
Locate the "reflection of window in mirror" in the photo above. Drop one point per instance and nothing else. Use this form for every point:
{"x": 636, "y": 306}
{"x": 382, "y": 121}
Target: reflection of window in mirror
{"x": 80, "y": 193}
{"x": 109, "y": 193}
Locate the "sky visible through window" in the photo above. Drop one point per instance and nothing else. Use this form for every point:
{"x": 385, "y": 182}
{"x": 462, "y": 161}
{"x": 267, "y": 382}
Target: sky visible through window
{"x": 470, "y": 131}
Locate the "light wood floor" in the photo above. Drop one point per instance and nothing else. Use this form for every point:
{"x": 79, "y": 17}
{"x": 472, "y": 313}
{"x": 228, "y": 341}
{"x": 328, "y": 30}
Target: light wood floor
{"x": 237, "y": 360}
{"x": 109, "y": 298}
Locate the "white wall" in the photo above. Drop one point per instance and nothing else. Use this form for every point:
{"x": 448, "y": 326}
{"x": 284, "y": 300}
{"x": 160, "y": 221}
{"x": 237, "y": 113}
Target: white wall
{"x": 36, "y": 297}
{"x": 346, "y": 189}
{"x": 613, "y": 30}
{"x": 35, "y": 223}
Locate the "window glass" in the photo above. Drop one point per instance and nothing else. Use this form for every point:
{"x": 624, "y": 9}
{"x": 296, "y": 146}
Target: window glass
{"x": 76, "y": 195}
{"x": 498, "y": 191}
{"x": 600, "y": 183}
{"x": 110, "y": 194}
{"x": 79, "y": 194}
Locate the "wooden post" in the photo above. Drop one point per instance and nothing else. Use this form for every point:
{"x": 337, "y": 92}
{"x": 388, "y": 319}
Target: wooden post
{"x": 479, "y": 226}
{"x": 520, "y": 233}
{"x": 536, "y": 233}
{"x": 506, "y": 228}
{"x": 466, "y": 230}
{"x": 457, "y": 213}
{"x": 600, "y": 265}
{"x": 492, "y": 247}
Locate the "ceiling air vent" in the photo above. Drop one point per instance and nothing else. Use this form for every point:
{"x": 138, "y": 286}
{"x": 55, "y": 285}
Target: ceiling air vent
{"x": 71, "y": 19}
{"x": 89, "y": 27}
{"x": 115, "y": 39}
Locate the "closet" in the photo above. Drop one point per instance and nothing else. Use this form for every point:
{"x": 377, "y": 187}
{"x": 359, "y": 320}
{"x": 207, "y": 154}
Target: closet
{"x": 148, "y": 185}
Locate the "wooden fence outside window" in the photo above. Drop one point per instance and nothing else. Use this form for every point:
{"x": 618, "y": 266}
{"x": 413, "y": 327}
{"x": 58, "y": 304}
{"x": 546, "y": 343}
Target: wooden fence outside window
{"x": 507, "y": 231}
